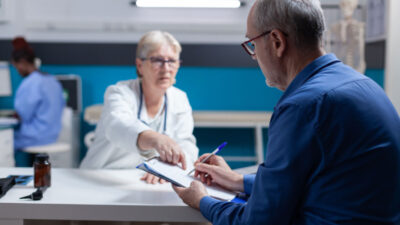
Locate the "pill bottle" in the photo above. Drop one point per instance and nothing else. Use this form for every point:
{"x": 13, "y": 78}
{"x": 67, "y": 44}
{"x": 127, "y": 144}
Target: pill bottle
{"x": 42, "y": 171}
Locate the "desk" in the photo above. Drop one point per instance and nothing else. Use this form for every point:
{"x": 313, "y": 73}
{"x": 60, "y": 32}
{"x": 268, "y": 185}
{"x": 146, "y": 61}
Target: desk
{"x": 237, "y": 119}
{"x": 99, "y": 195}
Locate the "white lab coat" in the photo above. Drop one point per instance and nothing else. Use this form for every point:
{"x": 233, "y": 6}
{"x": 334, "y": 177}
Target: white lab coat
{"x": 115, "y": 143}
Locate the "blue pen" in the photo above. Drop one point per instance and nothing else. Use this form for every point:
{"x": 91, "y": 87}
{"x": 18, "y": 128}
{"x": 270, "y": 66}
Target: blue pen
{"x": 212, "y": 153}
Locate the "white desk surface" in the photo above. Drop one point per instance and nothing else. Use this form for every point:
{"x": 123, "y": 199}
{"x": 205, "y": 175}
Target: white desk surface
{"x": 100, "y": 195}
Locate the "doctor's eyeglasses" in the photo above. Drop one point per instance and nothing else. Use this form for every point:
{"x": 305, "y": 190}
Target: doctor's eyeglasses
{"x": 249, "y": 45}
{"x": 157, "y": 62}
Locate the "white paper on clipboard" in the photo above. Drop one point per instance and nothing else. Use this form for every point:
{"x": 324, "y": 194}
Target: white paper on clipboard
{"x": 180, "y": 177}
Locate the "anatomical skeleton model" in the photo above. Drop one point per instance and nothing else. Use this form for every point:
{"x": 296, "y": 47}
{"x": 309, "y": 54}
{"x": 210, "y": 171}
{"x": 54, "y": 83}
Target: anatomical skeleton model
{"x": 347, "y": 37}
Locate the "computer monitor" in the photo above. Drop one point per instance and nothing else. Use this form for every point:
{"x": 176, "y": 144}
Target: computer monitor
{"x": 5, "y": 81}
{"x": 72, "y": 91}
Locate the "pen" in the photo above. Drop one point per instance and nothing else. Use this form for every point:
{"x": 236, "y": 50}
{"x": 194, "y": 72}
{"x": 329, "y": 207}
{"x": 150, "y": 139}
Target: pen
{"x": 212, "y": 153}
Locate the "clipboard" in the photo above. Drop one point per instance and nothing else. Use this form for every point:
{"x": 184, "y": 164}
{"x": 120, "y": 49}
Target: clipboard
{"x": 179, "y": 177}
{"x": 148, "y": 169}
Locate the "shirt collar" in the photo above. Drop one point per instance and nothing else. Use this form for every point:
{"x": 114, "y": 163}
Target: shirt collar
{"x": 309, "y": 71}
{"x": 32, "y": 76}
{"x": 35, "y": 72}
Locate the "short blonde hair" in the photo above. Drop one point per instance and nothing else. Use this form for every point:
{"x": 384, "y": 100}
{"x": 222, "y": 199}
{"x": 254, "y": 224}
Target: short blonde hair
{"x": 153, "y": 40}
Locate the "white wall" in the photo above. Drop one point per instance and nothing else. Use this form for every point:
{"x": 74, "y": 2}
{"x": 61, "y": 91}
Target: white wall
{"x": 392, "y": 70}
{"x": 119, "y": 21}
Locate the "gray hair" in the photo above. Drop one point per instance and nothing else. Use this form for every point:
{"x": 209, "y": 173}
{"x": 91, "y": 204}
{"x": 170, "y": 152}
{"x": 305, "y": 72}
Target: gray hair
{"x": 153, "y": 40}
{"x": 302, "y": 20}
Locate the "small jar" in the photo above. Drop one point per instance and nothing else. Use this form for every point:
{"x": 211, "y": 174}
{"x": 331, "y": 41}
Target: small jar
{"x": 42, "y": 171}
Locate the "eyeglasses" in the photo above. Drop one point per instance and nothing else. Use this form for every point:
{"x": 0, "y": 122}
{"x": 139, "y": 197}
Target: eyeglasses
{"x": 157, "y": 62}
{"x": 249, "y": 45}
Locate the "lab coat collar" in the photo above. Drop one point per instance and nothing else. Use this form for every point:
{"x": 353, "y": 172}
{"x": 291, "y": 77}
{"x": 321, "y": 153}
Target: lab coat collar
{"x": 173, "y": 106}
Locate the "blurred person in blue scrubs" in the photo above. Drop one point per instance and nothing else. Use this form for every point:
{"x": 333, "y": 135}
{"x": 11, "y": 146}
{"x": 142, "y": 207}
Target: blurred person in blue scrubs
{"x": 38, "y": 104}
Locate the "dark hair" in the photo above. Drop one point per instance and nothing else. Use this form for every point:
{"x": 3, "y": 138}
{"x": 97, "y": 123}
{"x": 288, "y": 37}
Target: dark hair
{"x": 22, "y": 50}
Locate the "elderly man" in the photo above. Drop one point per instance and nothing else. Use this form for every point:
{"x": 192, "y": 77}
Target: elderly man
{"x": 334, "y": 139}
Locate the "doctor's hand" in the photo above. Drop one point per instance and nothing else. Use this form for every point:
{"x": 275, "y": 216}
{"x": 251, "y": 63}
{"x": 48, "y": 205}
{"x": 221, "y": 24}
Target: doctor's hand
{"x": 168, "y": 149}
{"x": 151, "y": 179}
{"x": 217, "y": 171}
{"x": 191, "y": 195}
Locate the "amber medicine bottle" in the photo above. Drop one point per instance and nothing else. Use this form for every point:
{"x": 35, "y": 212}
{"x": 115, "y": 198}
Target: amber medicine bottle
{"x": 42, "y": 171}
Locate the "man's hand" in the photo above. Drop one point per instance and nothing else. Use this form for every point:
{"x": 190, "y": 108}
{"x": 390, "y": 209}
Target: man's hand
{"x": 151, "y": 179}
{"x": 191, "y": 195}
{"x": 217, "y": 171}
{"x": 168, "y": 149}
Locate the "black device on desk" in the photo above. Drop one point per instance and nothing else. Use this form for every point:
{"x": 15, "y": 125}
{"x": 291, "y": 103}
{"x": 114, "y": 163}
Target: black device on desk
{"x": 6, "y": 184}
{"x": 35, "y": 196}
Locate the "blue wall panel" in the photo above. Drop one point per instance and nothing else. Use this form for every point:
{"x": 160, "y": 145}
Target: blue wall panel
{"x": 377, "y": 75}
{"x": 207, "y": 89}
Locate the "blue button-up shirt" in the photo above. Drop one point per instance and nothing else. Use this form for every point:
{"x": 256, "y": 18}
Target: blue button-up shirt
{"x": 333, "y": 155}
{"x": 39, "y": 103}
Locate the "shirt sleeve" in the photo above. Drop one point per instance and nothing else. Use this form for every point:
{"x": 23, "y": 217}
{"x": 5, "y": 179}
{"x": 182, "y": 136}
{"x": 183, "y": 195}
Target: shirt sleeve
{"x": 292, "y": 155}
{"x": 122, "y": 127}
{"x": 27, "y": 99}
{"x": 248, "y": 181}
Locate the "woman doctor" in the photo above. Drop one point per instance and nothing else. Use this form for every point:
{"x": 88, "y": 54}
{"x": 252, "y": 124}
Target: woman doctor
{"x": 38, "y": 103}
{"x": 146, "y": 117}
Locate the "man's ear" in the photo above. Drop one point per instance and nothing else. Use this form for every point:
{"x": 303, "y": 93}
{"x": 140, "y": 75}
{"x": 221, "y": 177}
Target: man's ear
{"x": 279, "y": 41}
